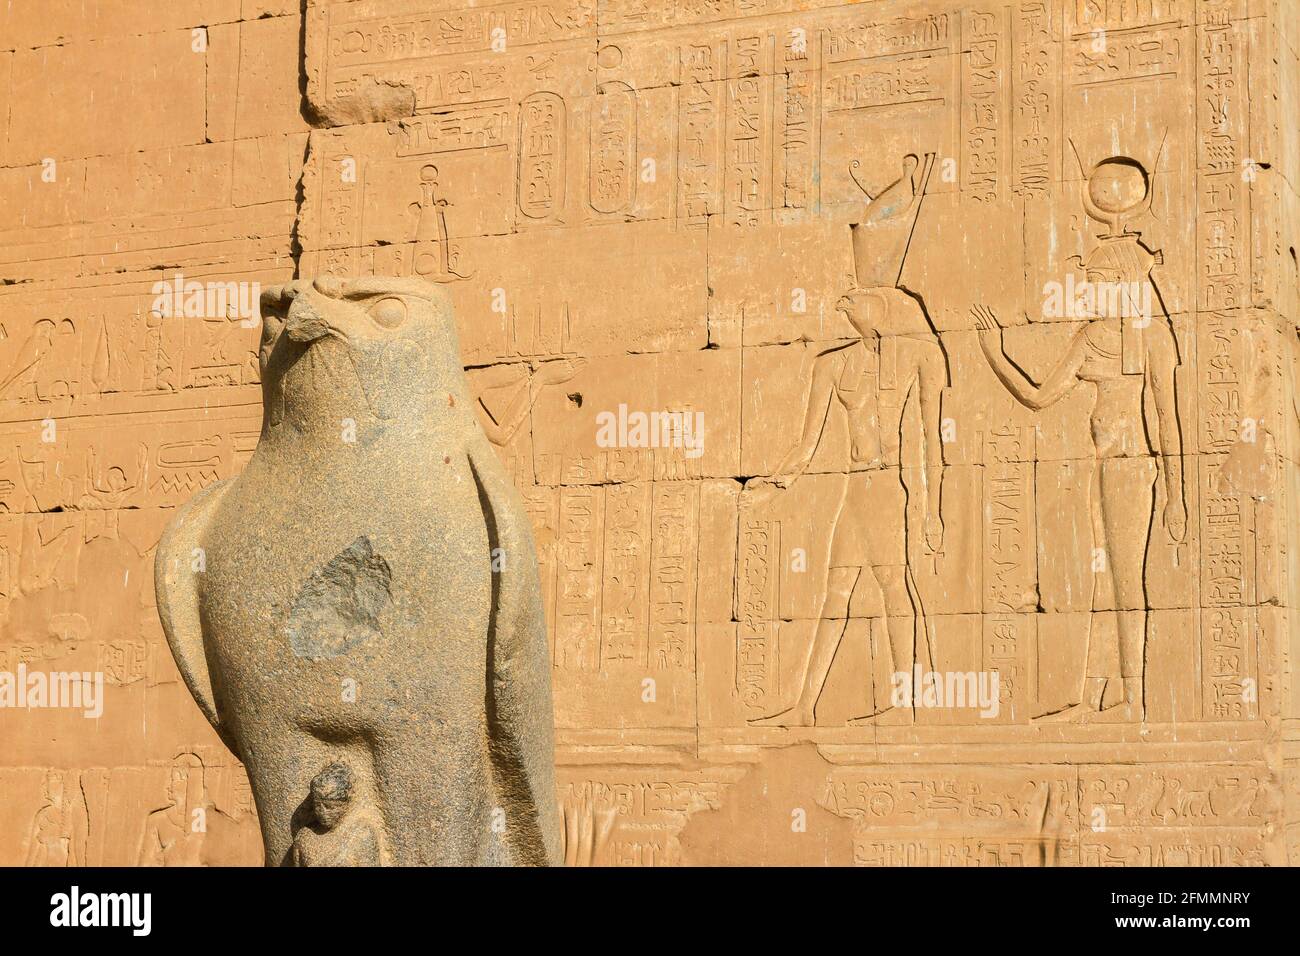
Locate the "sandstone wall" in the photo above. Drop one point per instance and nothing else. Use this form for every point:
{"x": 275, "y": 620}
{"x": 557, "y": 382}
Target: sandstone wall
{"x": 645, "y": 206}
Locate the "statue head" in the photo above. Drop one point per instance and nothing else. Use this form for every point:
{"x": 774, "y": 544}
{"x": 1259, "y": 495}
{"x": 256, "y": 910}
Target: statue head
{"x": 331, "y": 794}
{"x": 351, "y": 348}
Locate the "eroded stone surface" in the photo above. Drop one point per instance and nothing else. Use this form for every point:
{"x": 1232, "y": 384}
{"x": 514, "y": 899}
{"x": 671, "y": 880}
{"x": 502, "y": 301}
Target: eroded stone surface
{"x": 340, "y": 604}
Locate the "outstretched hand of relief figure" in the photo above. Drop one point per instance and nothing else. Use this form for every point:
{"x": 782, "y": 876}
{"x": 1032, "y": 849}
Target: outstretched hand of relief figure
{"x": 761, "y": 492}
{"x": 556, "y": 373}
{"x": 990, "y": 329}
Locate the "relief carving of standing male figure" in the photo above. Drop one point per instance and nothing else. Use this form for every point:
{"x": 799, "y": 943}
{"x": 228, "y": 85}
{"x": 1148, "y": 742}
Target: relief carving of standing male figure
{"x": 896, "y": 360}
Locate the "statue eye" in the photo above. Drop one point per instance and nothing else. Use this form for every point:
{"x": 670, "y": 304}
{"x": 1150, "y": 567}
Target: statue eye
{"x": 390, "y": 312}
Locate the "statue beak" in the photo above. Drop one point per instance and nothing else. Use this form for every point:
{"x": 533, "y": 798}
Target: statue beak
{"x": 277, "y": 299}
{"x": 312, "y": 303}
{"x": 307, "y": 322}
{"x": 309, "y": 327}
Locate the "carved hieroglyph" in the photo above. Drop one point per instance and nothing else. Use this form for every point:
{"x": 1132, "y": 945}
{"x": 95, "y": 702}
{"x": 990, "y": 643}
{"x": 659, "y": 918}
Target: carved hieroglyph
{"x": 903, "y": 395}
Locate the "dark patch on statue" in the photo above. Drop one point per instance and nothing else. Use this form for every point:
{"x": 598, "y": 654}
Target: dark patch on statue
{"x": 339, "y": 606}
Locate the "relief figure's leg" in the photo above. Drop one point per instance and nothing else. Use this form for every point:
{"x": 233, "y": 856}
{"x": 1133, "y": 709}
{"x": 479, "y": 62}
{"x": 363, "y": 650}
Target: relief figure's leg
{"x": 831, "y": 623}
{"x": 900, "y": 626}
{"x": 1102, "y": 621}
{"x": 1128, "y": 500}
{"x": 900, "y": 615}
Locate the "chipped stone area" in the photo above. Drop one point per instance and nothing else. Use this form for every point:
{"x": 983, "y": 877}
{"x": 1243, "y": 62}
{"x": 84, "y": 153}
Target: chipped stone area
{"x": 340, "y": 605}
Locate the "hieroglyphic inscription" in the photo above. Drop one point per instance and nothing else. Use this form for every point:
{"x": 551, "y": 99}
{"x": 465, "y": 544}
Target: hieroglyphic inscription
{"x": 983, "y": 135}
{"x": 756, "y": 661}
{"x": 1035, "y": 101}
